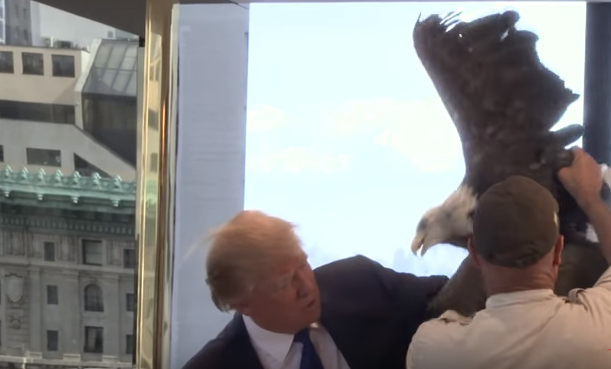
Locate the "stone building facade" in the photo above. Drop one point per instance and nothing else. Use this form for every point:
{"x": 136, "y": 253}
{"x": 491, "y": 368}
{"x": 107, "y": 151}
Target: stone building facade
{"x": 67, "y": 270}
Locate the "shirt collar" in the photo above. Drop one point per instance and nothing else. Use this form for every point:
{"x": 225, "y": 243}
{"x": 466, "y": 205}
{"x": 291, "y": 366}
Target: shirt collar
{"x": 519, "y": 297}
{"x": 275, "y": 344}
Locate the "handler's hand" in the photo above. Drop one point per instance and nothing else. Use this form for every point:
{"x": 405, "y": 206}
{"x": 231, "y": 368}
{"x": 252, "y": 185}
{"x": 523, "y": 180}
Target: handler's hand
{"x": 583, "y": 179}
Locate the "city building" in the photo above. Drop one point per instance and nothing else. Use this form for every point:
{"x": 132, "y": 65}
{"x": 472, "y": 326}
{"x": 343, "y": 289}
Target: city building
{"x": 67, "y": 270}
{"x": 29, "y": 23}
{"x": 16, "y": 25}
{"x": 49, "y": 25}
{"x": 82, "y": 106}
{"x": 2, "y": 22}
{"x": 68, "y": 143}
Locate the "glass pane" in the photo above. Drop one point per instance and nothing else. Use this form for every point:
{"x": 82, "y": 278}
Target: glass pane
{"x": 121, "y": 81}
{"x": 129, "y": 60}
{"x": 322, "y": 114}
{"x": 106, "y": 77}
{"x": 116, "y": 56}
{"x": 67, "y": 174}
{"x": 102, "y": 55}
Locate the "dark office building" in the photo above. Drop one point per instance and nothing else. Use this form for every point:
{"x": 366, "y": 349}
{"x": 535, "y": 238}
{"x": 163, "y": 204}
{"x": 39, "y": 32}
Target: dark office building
{"x": 17, "y": 23}
{"x": 109, "y": 97}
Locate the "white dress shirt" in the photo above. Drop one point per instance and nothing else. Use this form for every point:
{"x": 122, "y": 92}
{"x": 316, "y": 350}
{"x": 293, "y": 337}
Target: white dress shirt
{"x": 531, "y": 329}
{"x": 277, "y": 350}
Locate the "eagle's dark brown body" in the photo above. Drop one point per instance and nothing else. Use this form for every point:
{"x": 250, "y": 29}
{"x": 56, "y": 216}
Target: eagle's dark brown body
{"x": 504, "y": 103}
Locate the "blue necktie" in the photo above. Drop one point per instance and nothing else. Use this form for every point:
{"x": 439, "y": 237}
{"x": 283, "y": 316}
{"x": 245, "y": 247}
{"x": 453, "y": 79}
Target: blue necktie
{"x": 309, "y": 357}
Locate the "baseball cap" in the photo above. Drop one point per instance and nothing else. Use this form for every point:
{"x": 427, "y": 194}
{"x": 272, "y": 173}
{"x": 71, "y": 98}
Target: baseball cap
{"x": 515, "y": 223}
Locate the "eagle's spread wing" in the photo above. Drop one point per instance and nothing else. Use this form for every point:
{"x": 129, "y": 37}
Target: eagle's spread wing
{"x": 503, "y": 101}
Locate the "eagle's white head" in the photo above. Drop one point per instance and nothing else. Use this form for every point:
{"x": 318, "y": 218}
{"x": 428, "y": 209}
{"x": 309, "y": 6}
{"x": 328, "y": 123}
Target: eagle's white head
{"x": 451, "y": 222}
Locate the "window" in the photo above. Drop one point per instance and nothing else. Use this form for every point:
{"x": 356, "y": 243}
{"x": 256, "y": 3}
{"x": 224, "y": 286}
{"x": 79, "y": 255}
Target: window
{"x": 49, "y": 251}
{"x": 92, "y": 252}
{"x": 50, "y": 113}
{"x": 51, "y": 158}
{"x": 52, "y": 340}
{"x": 63, "y": 65}
{"x": 94, "y": 300}
{"x": 129, "y": 258}
{"x": 52, "y": 295}
{"x": 6, "y": 62}
{"x": 129, "y": 301}
{"x": 129, "y": 344}
{"x": 94, "y": 340}
{"x": 1, "y": 153}
{"x": 33, "y": 64}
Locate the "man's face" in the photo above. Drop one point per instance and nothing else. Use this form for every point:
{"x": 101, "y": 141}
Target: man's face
{"x": 286, "y": 298}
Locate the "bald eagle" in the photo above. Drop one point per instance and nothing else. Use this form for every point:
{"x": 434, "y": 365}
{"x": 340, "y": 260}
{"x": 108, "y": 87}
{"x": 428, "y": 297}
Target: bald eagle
{"x": 504, "y": 104}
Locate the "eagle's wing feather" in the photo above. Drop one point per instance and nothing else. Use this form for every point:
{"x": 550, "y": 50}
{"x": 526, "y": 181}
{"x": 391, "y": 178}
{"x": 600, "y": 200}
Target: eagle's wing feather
{"x": 504, "y": 103}
{"x": 502, "y": 100}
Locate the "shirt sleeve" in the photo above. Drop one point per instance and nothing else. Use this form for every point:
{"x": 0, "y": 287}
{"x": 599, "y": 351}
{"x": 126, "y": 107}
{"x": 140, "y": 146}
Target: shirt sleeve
{"x": 605, "y": 280}
{"x": 416, "y": 353}
{"x": 597, "y": 297}
{"x": 430, "y": 345}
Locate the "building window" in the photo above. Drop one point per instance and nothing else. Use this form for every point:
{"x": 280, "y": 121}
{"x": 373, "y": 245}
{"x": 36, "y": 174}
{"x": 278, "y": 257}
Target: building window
{"x": 1, "y": 153}
{"x": 49, "y": 251}
{"x": 129, "y": 344}
{"x": 63, "y": 65}
{"x": 92, "y": 252}
{"x": 129, "y": 258}
{"x": 129, "y": 302}
{"x": 94, "y": 300}
{"x": 52, "y": 340}
{"x": 94, "y": 340}
{"x": 37, "y": 112}
{"x": 52, "y": 295}
{"x": 6, "y": 62}
{"x": 50, "y": 158}
{"x": 33, "y": 64}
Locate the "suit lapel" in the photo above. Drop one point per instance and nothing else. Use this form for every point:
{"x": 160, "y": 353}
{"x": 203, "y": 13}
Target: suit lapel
{"x": 241, "y": 353}
{"x": 348, "y": 336}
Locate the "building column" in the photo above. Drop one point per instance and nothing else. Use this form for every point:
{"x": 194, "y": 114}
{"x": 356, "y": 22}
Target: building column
{"x": 597, "y": 82}
{"x": 113, "y": 302}
{"x": 35, "y": 297}
{"x": 70, "y": 297}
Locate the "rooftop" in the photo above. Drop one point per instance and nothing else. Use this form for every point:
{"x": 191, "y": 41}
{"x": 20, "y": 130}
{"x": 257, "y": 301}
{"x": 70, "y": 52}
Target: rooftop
{"x": 110, "y": 191}
{"x": 113, "y": 71}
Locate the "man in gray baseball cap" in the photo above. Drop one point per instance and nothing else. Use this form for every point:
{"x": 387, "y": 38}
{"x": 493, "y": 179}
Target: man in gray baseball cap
{"x": 518, "y": 248}
{"x": 515, "y": 224}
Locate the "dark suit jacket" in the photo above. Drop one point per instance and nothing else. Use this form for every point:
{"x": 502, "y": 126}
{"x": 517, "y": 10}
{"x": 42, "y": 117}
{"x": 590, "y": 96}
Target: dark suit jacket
{"x": 371, "y": 313}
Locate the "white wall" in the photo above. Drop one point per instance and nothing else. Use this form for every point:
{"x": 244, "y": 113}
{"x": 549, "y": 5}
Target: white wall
{"x": 52, "y": 22}
{"x": 213, "y": 67}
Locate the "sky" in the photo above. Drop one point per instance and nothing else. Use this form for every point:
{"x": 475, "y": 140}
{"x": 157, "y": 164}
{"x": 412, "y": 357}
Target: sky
{"x": 347, "y": 137}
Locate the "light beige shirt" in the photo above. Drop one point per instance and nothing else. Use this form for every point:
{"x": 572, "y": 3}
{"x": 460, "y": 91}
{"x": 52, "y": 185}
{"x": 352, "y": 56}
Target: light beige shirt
{"x": 277, "y": 350}
{"x": 522, "y": 330}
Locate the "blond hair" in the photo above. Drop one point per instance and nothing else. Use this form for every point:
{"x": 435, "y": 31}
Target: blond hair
{"x": 242, "y": 249}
